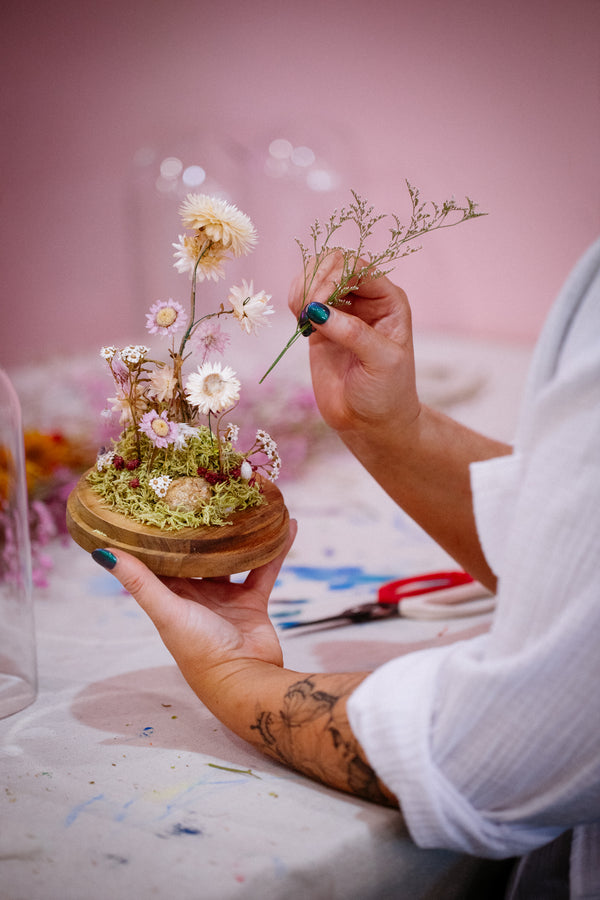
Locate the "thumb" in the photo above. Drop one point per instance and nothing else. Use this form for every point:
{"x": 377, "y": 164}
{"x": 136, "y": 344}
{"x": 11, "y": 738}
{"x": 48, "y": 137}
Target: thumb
{"x": 147, "y": 589}
{"x": 371, "y": 347}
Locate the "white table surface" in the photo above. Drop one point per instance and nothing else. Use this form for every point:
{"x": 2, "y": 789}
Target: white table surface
{"x": 117, "y": 783}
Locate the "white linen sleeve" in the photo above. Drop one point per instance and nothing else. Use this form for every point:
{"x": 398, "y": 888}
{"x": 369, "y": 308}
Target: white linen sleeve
{"x": 492, "y": 746}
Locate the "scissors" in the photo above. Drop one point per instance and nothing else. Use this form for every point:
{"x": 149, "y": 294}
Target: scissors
{"x": 432, "y": 595}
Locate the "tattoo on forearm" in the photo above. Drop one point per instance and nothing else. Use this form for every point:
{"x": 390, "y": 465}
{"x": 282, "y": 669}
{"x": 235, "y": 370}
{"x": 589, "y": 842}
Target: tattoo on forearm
{"x": 309, "y": 735}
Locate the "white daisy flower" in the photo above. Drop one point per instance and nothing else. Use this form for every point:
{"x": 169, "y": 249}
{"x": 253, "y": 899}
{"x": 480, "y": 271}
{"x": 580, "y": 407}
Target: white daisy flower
{"x": 250, "y": 309}
{"x": 220, "y": 222}
{"x": 212, "y": 388}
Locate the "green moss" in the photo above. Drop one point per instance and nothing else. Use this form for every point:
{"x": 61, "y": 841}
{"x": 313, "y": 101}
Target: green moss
{"x": 142, "y": 504}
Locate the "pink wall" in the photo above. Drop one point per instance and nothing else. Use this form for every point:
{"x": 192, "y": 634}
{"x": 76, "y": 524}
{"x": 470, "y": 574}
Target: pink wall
{"x": 498, "y": 100}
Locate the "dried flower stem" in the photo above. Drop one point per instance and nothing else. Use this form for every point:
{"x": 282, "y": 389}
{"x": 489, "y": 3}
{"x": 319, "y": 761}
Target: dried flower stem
{"x": 359, "y": 263}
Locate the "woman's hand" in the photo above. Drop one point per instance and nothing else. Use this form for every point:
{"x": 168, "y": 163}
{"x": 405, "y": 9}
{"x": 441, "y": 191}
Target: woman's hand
{"x": 361, "y": 358}
{"x": 363, "y": 372}
{"x": 222, "y": 640}
{"x": 210, "y": 626}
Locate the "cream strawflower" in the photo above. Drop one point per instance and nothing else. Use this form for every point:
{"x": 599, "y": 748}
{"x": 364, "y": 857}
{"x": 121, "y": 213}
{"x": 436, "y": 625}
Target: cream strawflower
{"x": 189, "y": 249}
{"x": 248, "y": 308}
{"x": 220, "y": 222}
{"x": 212, "y": 388}
{"x": 162, "y": 384}
{"x": 123, "y": 402}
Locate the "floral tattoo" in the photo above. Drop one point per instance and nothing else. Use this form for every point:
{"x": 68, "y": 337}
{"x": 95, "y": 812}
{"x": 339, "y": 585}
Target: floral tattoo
{"x": 311, "y": 735}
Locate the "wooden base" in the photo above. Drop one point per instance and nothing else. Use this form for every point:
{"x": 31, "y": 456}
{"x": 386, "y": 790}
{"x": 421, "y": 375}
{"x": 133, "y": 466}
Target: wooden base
{"x": 255, "y": 537}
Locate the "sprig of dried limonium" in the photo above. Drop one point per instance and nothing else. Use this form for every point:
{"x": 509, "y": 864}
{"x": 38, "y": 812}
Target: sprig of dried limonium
{"x": 361, "y": 263}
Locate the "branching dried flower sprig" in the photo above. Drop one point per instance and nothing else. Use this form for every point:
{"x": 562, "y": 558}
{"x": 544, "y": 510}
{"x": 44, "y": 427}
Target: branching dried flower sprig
{"x": 360, "y": 263}
{"x": 168, "y": 468}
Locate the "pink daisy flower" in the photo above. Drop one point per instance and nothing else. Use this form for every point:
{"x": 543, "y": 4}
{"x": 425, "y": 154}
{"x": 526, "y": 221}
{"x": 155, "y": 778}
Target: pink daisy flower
{"x": 158, "y": 428}
{"x": 166, "y": 317}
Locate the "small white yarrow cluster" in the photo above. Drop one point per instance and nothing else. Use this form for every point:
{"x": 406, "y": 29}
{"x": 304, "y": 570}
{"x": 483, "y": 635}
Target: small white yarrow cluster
{"x": 267, "y": 445}
{"x": 160, "y": 485}
{"x": 134, "y": 354}
{"x": 104, "y": 460}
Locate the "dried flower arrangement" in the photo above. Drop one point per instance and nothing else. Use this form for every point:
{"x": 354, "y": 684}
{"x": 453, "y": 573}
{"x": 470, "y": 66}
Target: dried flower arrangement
{"x": 175, "y": 469}
{"x": 361, "y": 263}
{"x": 169, "y": 468}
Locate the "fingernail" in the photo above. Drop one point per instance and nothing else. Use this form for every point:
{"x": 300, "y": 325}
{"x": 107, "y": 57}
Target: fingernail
{"x": 104, "y": 558}
{"x": 317, "y": 312}
{"x": 305, "y": 324}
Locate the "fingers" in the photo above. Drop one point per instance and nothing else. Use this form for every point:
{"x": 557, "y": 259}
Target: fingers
{"x": 161, "y": 603}
{"x": 328, "y": 275}
{"x": 153, "y": 596}
{"x": 372, "y": 348}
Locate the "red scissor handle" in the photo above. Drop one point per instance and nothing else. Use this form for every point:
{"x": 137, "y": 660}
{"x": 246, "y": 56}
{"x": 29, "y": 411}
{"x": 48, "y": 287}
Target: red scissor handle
{"x": 395, "y": 591}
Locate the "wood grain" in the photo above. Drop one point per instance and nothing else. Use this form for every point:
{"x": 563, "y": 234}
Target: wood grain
{"x": 254, "y": 538}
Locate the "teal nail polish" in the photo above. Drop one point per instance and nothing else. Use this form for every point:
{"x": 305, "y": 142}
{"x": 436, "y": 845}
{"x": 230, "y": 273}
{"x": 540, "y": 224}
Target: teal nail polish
{"x": 317, "y": 312}
{"x": 104, "y": 558}
{"x": 304, "y": 324}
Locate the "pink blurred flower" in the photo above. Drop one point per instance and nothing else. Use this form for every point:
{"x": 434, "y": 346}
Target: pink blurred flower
{"x": 210, "y": 338}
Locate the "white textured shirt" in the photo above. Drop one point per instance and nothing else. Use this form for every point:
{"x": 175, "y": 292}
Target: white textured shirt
{"x": 492, "y": 745}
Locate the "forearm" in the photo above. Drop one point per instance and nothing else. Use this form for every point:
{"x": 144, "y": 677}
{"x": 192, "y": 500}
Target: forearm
{"x": 299, "y": 720}
{"x": 426, "y": 471}
{"x": 220, "y": 635}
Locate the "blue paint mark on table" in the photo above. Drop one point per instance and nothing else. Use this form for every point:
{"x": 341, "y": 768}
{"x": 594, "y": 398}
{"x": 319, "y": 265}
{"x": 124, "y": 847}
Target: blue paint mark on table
{"x": 77, "y": 810}
{"x": 338, "y": 578}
